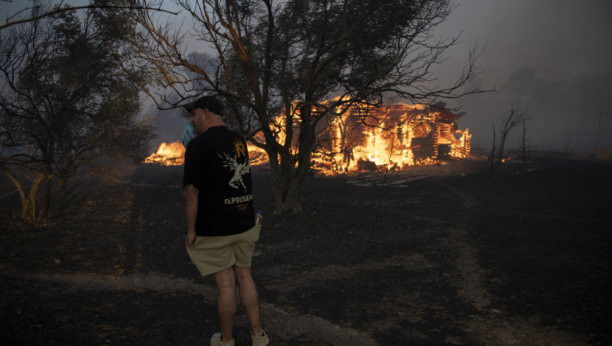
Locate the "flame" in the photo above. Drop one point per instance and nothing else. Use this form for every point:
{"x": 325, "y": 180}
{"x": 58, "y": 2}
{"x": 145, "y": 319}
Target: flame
{"x": 366, "y": 138}
{"x": 392, "y": 137}
{"x": 509, "y": 158}
{"x": 172, "y": 154}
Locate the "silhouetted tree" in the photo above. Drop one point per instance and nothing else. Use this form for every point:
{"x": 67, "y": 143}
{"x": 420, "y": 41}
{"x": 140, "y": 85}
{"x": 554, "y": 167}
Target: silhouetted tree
{"x": 64, "y": 103}
{"x": 516, "y": 115}
{"x": 286, "y": 59}
{"x": 40, "y": 9}
{"x": 525, "y": 147}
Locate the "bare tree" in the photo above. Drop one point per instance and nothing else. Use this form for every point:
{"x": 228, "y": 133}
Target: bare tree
{"x": 517, "y": 114}
{"x": 45, "y": 8}
{"x": 525, "y": 146}
{"x": 492, "y": 158}
{"x": 64, "y": 104}
{"x": 287, "y": 59}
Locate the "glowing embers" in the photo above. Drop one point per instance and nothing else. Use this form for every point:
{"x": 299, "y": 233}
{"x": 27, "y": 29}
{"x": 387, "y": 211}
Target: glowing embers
{"x": 172, "y": 154}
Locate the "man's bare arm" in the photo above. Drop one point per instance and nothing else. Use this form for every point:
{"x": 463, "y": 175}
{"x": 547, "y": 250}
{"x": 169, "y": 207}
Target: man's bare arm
{"x": 190, "y": 194}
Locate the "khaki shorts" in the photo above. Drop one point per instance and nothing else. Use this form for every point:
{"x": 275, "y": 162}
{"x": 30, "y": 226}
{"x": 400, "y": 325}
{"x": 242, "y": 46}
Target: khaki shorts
{"x": 214, "y": 254}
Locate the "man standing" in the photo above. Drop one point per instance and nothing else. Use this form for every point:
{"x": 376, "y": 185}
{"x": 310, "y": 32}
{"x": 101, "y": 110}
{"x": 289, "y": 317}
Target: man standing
{"x": 348, "y": 157}
{"x": 221, "y": 230}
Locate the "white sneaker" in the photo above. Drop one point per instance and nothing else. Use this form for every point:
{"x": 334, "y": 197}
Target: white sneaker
{"x": 261, "y": 340}
{"x": 216, "y": 341}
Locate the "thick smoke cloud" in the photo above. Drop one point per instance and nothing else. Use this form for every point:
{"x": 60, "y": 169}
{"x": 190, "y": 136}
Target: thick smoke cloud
{"x": 552, "y": 56}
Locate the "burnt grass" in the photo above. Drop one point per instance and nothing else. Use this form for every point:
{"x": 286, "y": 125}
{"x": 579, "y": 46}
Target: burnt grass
{"x": 438, "y": 255}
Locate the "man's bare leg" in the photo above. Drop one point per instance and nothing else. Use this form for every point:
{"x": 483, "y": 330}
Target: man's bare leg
{"x": 226, "y": 301}
{"x": 248, "y": 297}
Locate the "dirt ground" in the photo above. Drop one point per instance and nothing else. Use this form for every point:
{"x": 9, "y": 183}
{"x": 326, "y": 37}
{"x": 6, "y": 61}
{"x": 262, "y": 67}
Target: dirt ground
{"x": 438, "y": 255}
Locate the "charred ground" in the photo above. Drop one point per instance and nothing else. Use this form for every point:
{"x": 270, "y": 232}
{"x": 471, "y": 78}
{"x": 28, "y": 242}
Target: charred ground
{"x": 457, "y": 257}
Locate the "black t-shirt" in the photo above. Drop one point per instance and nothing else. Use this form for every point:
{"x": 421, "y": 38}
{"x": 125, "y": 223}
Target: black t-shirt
{"x": 217, "y": 164}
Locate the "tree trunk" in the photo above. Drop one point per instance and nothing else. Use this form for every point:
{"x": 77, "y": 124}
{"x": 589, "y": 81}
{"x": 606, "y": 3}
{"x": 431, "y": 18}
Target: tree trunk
{"x": 492, "y": 156}
{"x": 54, "y": 197}
{"x": 524, "y": 150}
{"x": 500, "y": 152}
{"x": 44, "y": 213}
{"x": 30, "y": 210}
{"x": 287, "y": 179}
{"x": 19, "y": 186}
{"x": 28, "y": 202}
{"x": 286, "y": 184}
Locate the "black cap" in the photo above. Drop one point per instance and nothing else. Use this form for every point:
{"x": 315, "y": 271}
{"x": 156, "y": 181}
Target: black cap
{"x": 211, "y": 103}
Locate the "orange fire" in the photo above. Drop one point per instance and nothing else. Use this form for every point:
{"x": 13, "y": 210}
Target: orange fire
{"x": 172, "y": 154}
{"x": 390, "y": 137}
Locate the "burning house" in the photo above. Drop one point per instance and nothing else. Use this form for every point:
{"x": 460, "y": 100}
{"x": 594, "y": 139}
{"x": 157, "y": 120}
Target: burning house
{"x": 392, "y": 136}
{"x": 366, "y": 138}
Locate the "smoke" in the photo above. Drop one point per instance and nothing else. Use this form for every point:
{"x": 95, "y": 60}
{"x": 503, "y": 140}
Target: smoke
{"x": 550, "y": 55}
{"x": 564, "y": 113}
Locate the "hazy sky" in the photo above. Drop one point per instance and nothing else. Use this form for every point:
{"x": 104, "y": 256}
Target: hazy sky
{"x": 558, "y": 38}
{"x": 564, "y": 41}
{"x": 561, "y": 40}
